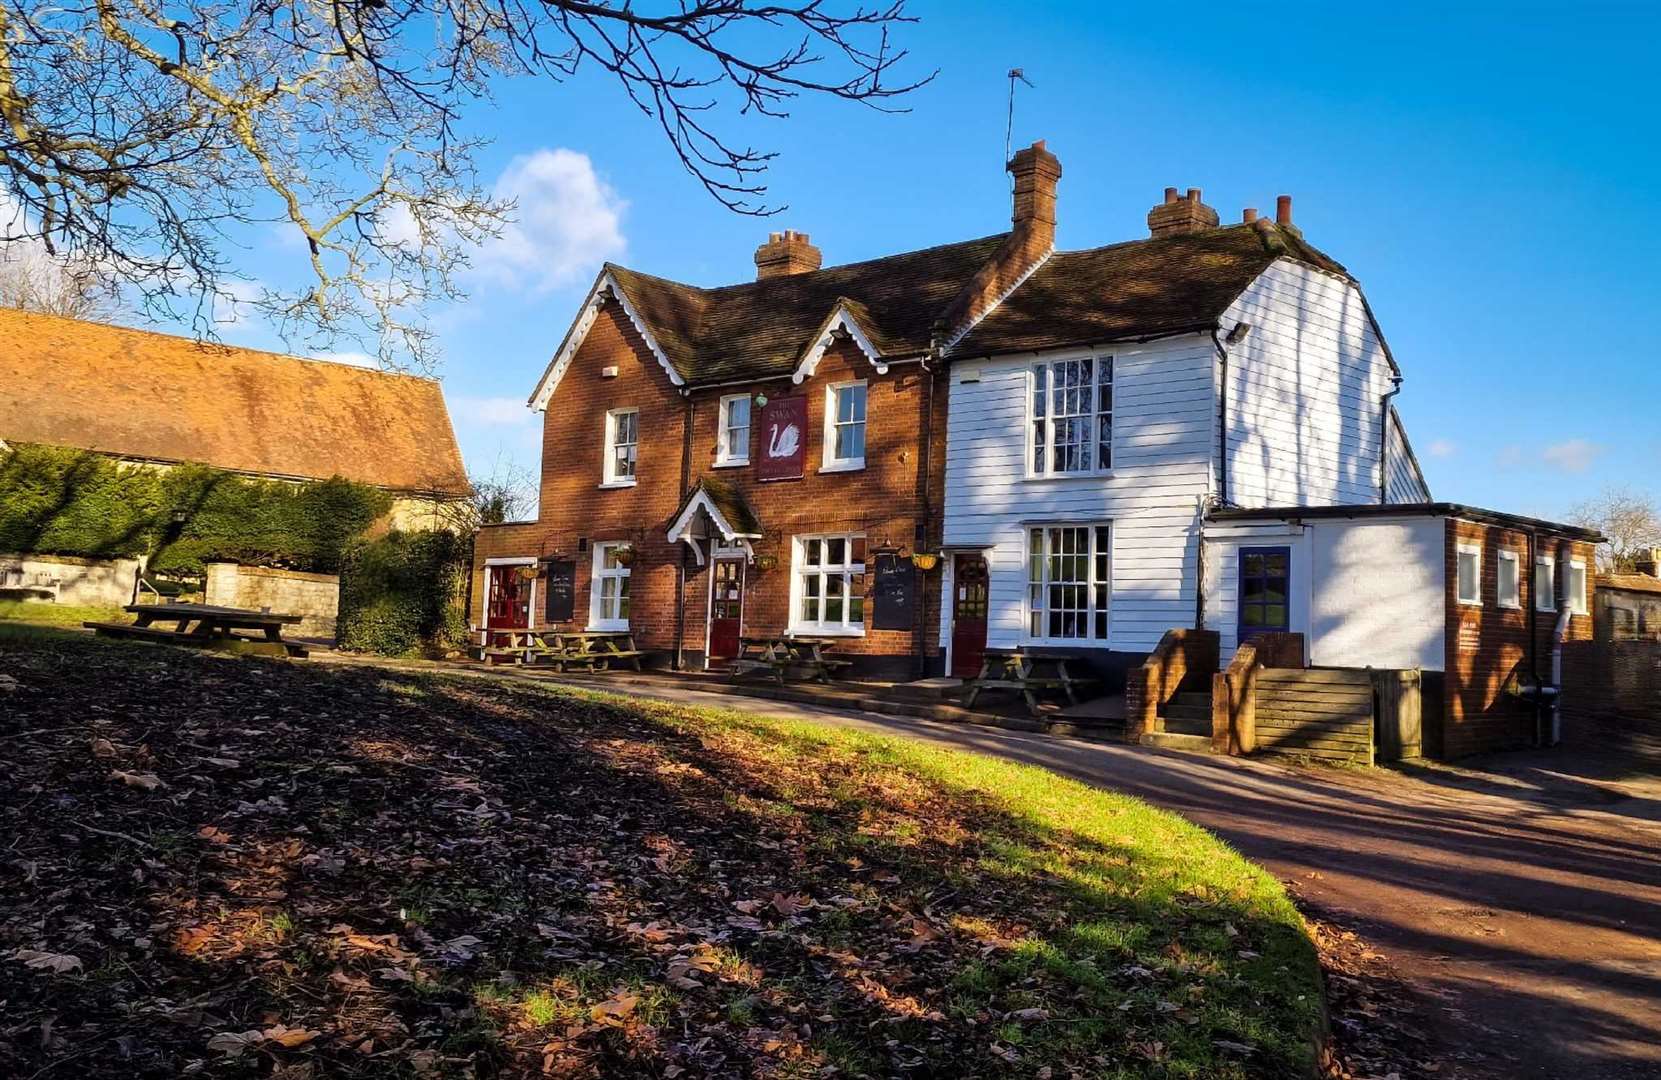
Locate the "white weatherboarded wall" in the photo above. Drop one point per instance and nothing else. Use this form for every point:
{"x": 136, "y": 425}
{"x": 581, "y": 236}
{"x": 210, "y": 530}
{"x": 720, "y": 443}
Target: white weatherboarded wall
{"x": 1377, "y": 595}
{"x": 1405, "y": 483}
{"x": 1164, "y": 426}
{"x": 1304, "y": 392}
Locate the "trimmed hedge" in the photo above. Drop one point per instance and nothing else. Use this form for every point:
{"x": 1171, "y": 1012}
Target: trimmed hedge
{"x": 404, "y": 594}
{"x": 57, "y": 501}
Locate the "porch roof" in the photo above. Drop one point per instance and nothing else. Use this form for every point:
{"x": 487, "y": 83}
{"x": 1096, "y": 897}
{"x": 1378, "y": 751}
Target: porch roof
{"x": 725, "y": 505}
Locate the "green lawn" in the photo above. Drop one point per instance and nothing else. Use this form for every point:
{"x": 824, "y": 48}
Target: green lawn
{"x": 383, "y": 873}
{"x": 36, "y": 614}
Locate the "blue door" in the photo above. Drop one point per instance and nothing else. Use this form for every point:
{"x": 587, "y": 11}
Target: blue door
{"x": 1265, "y": 591}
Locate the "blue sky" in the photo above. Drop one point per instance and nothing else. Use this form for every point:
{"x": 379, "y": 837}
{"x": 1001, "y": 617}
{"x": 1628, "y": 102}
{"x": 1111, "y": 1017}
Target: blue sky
{"x": 1490, "y": 174}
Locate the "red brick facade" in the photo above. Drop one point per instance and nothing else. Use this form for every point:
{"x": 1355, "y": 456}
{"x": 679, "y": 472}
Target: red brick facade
{"x": 882, "y": 501}
{"x": 1487, "y": 646}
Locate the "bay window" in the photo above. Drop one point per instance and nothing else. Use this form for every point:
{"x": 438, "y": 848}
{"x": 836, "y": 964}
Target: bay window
{"x": 1069, "y": 578}
{"x": 622, "y": 437}
{"x": 609, "y": 588}
{"x": 1072, "y": 416}
{"x": 733, "y": 441}
{"x": 829, "y": 586}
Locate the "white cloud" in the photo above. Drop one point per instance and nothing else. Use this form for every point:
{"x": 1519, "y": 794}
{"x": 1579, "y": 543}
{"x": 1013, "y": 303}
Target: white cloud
{"x": 494, "y": 411}
{"x": 1443, "y": 448}
{"x": 1571, "y": 455}
{"x": 567, "y": 222}
{"x": 234, "y": 302}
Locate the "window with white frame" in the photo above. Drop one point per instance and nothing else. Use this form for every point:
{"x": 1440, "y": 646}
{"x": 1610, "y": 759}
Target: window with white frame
{"x": 845, "y": 426}
{"x": 1545, "y": 583}
{"x": 732, "y": 445}
{"x": 830, "y": 584}
{"x": 1468, "y": 571}
{"x": 1069, "y": 577}
{"x": 1072, "y": 416}
{"x": 609, "y": 588}
{"x": 1508, "y": 580}
{"x": 622, "y": 436}
{"x": 1574, "y": 587}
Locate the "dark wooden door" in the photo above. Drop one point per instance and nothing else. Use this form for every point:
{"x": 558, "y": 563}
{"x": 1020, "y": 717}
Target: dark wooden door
{"x": 969, "y": 606}
{"x": 1265, "y": 591}
{"x": 726, "y": 608}
{"x": 510, "y": 599}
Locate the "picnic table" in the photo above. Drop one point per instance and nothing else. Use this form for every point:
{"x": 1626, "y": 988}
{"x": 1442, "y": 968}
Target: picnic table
{"x": 777, "y": 656}
{"x": 206, "y": 626}
{"x": 562, "y": 650}
{"x": 1027, "y": 672}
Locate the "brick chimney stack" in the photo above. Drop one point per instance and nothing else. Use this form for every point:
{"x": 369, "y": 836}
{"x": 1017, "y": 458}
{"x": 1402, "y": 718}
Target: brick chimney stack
{"x": 786, "y": 252}
{"x": 1036, "y": 173}
{"x": 1181, "y": 216}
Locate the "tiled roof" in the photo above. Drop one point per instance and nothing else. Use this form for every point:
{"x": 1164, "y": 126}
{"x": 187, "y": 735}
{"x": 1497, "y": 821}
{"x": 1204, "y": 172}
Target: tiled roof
{"x": 138, "y": 394}
{"x": 761, "y": 328}
{"x": 727, "y": 499}
{"x": 1142, "y": 288}
{"x": 1630, "y": 582}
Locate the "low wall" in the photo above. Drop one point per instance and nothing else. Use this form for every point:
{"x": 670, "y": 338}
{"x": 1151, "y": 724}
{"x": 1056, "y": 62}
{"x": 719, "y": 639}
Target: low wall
{"x": 66, "y": 579}
{"x": 1321, "y": 713}
{"x": 289, "y": 592}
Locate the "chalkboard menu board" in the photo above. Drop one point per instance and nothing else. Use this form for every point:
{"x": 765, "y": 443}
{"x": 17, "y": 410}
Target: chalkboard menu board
{"x": 562, "y": 586}
{"x": 894, "y": 594}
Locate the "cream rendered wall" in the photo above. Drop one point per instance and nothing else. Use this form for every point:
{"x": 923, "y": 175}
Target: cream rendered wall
{"x": 1378, "y": 589}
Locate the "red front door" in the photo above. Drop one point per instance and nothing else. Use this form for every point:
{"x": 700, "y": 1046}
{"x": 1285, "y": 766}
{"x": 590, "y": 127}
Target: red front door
{"x": 969, "y": 606}
{"x": 726, "y": 608}
{"x": 510, "y": 599}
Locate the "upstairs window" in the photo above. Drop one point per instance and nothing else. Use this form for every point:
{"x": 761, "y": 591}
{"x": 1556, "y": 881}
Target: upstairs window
{"x": 1072, "y": 416}
{"x": 622, "y": 435}
{"x": 1509, "y": 580}
{"x": 845, "y": 426}
{"x": 732, "y": 445}
{"x": 830, "y": 584}
{"x": 1545, "y": 583}
{"x": 1469, "y": 572}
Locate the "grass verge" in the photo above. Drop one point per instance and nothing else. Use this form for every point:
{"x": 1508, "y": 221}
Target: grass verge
{"x": 252, "y": 865}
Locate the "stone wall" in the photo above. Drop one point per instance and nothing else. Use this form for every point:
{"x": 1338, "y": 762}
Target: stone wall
{"x": 288, "y": 592}
{"x": 65, "y": 579}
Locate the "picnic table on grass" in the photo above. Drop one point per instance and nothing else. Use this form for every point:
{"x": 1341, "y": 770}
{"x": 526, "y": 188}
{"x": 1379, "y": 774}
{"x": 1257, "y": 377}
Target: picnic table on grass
{"x": 206, "y": 626}
{"x": 1026, "y": 672}
{"x": 562, "y": 650}
{"x": 776, "y": 656}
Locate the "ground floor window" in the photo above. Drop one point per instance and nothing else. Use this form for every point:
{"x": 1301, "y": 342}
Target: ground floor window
{"x": 609, "y": 590}
{"x": 829, "y": 584}
{"x": 1069, "y": 577}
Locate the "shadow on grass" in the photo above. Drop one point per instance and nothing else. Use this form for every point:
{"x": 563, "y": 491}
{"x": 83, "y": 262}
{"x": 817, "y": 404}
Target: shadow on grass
{"x": 380, "y": 873}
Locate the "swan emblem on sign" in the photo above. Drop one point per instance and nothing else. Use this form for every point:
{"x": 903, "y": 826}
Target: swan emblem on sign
{"x": 784, "y": 441}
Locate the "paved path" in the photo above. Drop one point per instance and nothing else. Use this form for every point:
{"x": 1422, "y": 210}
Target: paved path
{"x": 1522, "y": 899}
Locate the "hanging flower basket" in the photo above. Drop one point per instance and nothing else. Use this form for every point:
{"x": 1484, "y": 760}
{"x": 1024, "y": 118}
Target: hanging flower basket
{"x": 925, "y": 560}
{"x": 528, "y": 572}
{"x": 625, "y": 555}
{"x": 766, "y": 562}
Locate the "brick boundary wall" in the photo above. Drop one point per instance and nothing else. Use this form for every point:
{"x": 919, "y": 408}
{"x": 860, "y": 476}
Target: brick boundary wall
{"x": 288, "y": 592}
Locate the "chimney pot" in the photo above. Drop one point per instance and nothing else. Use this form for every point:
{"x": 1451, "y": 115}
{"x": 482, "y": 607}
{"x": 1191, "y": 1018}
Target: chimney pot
{"x": 1283, "y": 210}
{"x": 1178, "y": 217}
{"x": 1248, "y": 215}
{"x": 785, "y": 253}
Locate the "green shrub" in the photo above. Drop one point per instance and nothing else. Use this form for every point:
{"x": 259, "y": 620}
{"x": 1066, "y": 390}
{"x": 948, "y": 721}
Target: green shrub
{"x": 403, "y": 594}
{"x": 58, "y": 501}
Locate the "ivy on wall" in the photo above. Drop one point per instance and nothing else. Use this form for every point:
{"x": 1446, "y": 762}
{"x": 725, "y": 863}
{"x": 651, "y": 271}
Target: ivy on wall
{"x": 404, "y": 594}
{"x": 58, "y": 501}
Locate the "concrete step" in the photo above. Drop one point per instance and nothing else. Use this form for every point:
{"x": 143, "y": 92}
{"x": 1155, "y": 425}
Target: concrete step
{"x": 1167, "y": 740}
{"x": 1188, "y": 725}
{"x": 1199, "y": 699}
{"x": 1187, "y": 712}
{"x": 940, "y": 688}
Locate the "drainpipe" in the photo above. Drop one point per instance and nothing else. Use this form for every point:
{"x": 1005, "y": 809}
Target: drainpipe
{"x": 1235, "y": 336}
{"x": 679, "y": 661}
{"x": 1559, "y": 634}
{"x": 1384, "y": 439}
{"x": 930, "y": 366}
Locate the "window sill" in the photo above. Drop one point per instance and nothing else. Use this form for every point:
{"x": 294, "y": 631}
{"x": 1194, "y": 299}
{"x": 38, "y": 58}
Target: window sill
{"x": 734, "y": 463}
{"x": 1470, "y": 603}
{"x": 1043, "y": 478}
{"x": 826, "y": 631}
{"x": 842, "y": 466}
{"x": 606, "y": 628}
{"x": 612, "y": 485}
{"x": 1064, "y": 643}
{"x": 1509, "y": 607}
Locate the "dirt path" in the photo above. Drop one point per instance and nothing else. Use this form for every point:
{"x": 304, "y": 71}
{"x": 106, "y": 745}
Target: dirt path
{"x": 1522, "y": 901}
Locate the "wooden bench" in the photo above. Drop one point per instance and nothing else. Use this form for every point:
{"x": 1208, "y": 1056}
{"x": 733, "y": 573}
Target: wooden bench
{"x": 1015, "y": 671}
{"x": 228, "y": 643}
{"x": 780, "y": 656}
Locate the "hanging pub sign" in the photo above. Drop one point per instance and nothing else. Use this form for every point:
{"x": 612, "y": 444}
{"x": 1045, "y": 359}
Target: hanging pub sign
{"x": 783, "y": 439}
{"x": 562, "y": 582}
{"x": 893, "y": 593}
